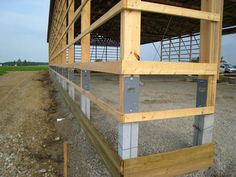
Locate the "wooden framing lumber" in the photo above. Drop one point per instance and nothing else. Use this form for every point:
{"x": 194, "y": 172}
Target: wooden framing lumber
{"x": 141, "y": 116}
{"x": 85, "y": 40}
{"x": 103, "y": 19}
{"x": 63, "y": 57}
{"x": 166, "y": 114}
{"x": 71, "y": 49}
{"x": 171, "y": 164}
{"x": 65, "y": 152}
{"x": 103, "y": 105}
{"x": 113, "y": 67}
{"x": 210, "y": 44}
{"x": 167, "y": 68}
{"x": 130, "y": 33}
{"x": 172, "y": 10}
{"x": 76, "y": 16}
{"x": 147, "y": 68}
{"x": 166, "y": 164}
{"x": 109, "y": 156}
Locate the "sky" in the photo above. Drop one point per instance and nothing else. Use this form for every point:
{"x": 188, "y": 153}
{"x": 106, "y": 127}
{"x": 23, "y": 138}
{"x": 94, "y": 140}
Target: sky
{"x": 23, "y": 33}
{"x": 23, "y": 30}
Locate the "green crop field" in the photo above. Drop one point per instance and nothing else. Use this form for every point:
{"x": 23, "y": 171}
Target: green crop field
{"x": 5, "y": 69}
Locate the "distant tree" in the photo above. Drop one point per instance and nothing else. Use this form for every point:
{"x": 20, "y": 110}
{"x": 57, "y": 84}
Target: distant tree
{"x": 19, "y": 63}
{"x": 24, "y": 63}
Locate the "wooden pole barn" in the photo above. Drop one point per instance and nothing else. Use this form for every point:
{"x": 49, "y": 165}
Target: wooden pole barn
{"x": 128, "y": 23}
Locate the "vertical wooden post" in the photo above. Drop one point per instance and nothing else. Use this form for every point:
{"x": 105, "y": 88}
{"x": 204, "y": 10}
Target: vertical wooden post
{"x": 65, "y": 149}
{"x": 85, "y": 41}
{"x": 63, "y": 28}
{"x": 71, "y": 49}
{"x": 191, "y": 48}
{"x": 161, "y": 50}
{"x": 179, "y": 56}
{"x": 71, "y": 52}
{"x": 63, "y": 44}
{"x": 129, "y": 50}
{"x": 85, "y": 56}
{"x": 210, "y": 45}
{"x": 169, "y": 49}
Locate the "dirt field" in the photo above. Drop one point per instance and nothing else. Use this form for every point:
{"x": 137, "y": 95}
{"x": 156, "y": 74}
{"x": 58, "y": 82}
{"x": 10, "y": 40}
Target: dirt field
{"x": 27, "y": 134}
{"x": 29, "y": 131}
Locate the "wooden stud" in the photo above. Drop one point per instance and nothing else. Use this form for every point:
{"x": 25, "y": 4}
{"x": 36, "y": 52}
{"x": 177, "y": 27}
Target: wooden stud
{"x": 65, "y": 159}
{"x": 64, "y": 38}
{"x": 85, "y": 40}
{"x": 130, "y": 33}
{"x": 210, "y": 39}
{"x": 71, "y": 49}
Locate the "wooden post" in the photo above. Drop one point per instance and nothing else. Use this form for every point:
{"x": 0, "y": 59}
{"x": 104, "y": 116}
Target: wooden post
{"x": 71, "y": 53}
{"x": 85, "y": 56}
{"x": 169, "y": 50}
{"x": 179, "y": 56}
{"x": 65, "y": 159}
{"x": 63, "y": 44}
{"x": 210, "y": 45}
{"x": 85, "y": 41}
{"x": 161, "y": 50}
{"x": 129, "y": 50}
{"x": 191, "y": 48}
{"x": 63, "y": 28}
{"x": 71, "y": 49}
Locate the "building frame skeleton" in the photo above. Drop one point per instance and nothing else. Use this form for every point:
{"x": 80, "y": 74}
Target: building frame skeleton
{"x": 62, "y": 40}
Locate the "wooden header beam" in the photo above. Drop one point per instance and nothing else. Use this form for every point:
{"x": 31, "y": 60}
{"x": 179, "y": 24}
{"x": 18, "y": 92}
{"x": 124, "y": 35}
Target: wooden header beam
{"x": 172, "y": 10}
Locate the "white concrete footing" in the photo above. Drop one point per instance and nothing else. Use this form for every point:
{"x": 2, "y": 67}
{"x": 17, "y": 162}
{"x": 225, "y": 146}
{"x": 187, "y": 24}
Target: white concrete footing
{"x": 203, "y": 124}
{"x": 85, "y": 102}
{"x": 85, "y": 106}
{"x": 128, "y": 140}
{"x": 203, "y": 129}
{"x": 71, "y": 89}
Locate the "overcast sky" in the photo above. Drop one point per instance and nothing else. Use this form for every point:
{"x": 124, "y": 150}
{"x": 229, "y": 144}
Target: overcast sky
{"x": 23, "y": 33}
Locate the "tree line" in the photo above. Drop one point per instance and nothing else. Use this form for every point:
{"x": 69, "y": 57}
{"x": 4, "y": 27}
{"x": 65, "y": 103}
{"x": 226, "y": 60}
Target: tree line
{"x": 20, "y": 62}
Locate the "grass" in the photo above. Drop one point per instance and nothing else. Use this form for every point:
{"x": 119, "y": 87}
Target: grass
{"x": 5, "y": 69}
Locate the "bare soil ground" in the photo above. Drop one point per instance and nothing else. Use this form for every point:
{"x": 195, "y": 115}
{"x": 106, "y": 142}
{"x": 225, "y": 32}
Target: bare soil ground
{"x": 28, "y": 138}
{"x": 30, "y": 108}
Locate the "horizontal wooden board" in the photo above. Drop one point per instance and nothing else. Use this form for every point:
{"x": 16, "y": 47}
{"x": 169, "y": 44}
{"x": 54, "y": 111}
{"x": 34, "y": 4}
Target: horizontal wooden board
{"x": 113, "y": 67}
{"x": 167, "y": 114}
{"x": 173, "y": 10}
{"x": 170, "y": 164}
{"x": 147, "y": 67}
{"x": 167, "y": 68}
